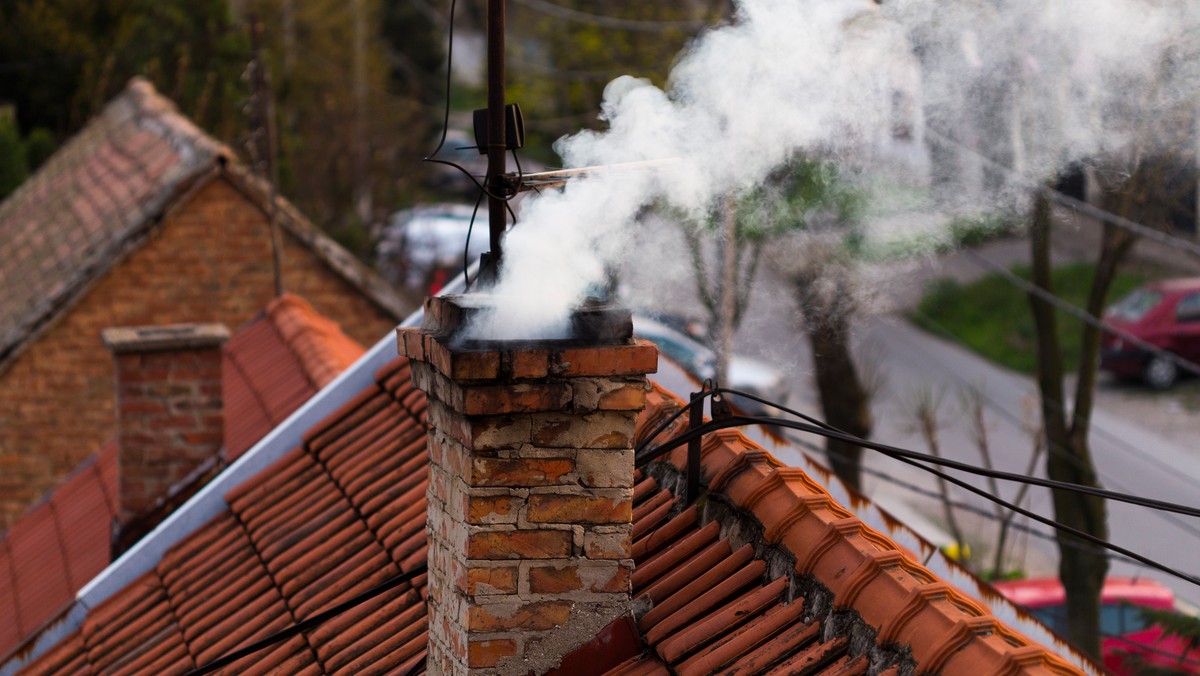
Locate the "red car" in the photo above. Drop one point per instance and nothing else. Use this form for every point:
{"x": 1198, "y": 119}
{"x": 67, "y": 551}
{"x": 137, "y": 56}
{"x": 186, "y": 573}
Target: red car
{"x": 1164, "y": 314}
{"x": 1130, "y": 643}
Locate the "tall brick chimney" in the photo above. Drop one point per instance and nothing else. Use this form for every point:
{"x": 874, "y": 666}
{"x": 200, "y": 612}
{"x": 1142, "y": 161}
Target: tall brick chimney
{"x": 170, "y": 419}
{"x": 530, "y": 486}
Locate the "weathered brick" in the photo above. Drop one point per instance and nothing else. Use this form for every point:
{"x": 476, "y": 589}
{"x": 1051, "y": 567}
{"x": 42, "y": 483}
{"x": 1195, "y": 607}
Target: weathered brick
{"x": 462, "y": 365}
{"x": 409, "y": 342}
{"x": 484, "y": 509}
{"x": 602, "y": 430}
{"x": 515, "y": 398}
{"x": 580, "y": 576}
{"x": 551, "y": 508}
{"x": 519, "y": 544}
{"x": 527, "y": 363}
{"x": 482, "y": 654}
{"x": 535, "y": 616}
{"x": 489, "y": 433}
{"x": 497, "y": 580}
{"x": 608, "y": 394}
{"x": 605, "y": 469}
{"x": 639, "y": 358}
{"x": 520, "y": 471}
{"x": 606, "y": 545}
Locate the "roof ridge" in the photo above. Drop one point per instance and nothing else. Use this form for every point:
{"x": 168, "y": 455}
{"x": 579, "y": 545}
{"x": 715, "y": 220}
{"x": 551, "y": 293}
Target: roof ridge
{"x": 129, "y": 125}
{"x": 149, "y": 103}
{"x": 318, "y": 342}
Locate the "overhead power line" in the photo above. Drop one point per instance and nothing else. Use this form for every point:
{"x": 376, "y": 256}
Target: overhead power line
{"x": 832, "y": 432}
{"x": 1060, "y": 452}
{"x": 1081, "y": 314}
{"x": 1070, "y": 202}
{"x": 1120, "y": 222}
{"x": 915, "y": 459}
{"x": 966, "y": 507}
{"x": 995, "y": 406}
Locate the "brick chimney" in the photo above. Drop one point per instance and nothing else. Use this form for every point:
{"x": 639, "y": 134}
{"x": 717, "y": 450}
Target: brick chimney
{"x": 530, "y": 485}
{"x": 170, "y": 421}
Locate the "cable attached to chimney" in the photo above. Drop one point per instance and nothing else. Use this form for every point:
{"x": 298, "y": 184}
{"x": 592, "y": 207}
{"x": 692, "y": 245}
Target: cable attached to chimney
{"x": 914, "y": 458}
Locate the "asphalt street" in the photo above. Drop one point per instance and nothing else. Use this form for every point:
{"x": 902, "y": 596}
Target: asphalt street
{"x": 907, "y": 363}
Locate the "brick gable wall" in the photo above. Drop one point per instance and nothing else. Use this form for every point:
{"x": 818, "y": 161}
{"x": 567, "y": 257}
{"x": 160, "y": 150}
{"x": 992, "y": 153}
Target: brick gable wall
{"x": 209, "y": 262}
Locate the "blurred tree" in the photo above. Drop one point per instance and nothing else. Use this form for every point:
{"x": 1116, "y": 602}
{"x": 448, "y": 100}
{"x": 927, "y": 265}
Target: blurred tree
{"x": 344, "y": 123}
{"x": 803, "y": 212}
{"x": 355, "y": 108}
{"x": 1131, "y": 191}
{"x": 564, "y": 52}
{"x": 13, "y": 167}
{"x": 64, "y": 59}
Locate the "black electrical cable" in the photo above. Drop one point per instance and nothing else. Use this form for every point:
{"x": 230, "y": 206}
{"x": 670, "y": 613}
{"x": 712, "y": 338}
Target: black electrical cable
{"x": 964, "y": 506}
{"x": 467, "y": 246}
{"x": 432, "y": 157}
{"x": 907, "y": 457}
{"x": 815, "y": 426}
{"x": 310, "y": 623}
{"x": 995, "y": 474}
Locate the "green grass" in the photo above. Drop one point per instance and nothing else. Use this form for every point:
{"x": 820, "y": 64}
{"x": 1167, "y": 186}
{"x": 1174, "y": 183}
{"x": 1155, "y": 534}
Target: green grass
{"x": 992, "y": 316}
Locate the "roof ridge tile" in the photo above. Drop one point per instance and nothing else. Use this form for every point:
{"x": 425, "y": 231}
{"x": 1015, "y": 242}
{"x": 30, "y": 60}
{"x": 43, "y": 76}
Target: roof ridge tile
{"x": 323, "y": 350}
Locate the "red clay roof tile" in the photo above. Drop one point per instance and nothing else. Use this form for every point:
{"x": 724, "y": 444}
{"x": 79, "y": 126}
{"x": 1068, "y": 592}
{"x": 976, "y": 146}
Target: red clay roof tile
{"x": 346, "y": 510}
{"x": 56, "y": 548}
{"x": 323, "y": 350}
{"x": 264, "y": 381}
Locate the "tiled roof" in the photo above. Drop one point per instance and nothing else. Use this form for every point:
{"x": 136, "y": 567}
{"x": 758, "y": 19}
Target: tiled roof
{"x": 56, "y": 548}
{"x": 275, "y": 364}
{"x": 757, "y": 579}
{"x": 102, "y": 187}
{"x": 272, "y": 366}
{"x": 94, "y": 200}
{"x": 756, "y": 593}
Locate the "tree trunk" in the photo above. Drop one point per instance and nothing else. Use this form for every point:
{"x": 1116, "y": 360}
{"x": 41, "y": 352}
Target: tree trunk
{"x": 1082, "y": 567}
{"x": 727, "y": 316}
{"x": 845, "y": 402}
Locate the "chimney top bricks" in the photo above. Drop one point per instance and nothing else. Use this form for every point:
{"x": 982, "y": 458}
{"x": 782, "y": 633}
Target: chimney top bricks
{"x": 530, "y": 492}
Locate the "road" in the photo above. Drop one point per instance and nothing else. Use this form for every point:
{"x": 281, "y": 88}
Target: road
{"x": 1143, "y": 443}
{"x": 905, "y": 361}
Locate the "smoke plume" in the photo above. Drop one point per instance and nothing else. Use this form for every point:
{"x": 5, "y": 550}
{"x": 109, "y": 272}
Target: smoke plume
{"x": 1035, "y": 85}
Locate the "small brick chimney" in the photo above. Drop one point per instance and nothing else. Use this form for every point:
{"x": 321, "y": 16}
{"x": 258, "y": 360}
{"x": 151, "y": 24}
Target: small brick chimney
{"x": 170, "y": 419}
{"x": 530, "y": 485}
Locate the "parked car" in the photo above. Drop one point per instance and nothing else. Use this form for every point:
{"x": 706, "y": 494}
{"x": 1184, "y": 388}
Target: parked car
{"x": 1164, "y": 314}
{"x": 1129, "y": 642}
{"x": 422, "y": 248}
{"x": 745, "y": 373}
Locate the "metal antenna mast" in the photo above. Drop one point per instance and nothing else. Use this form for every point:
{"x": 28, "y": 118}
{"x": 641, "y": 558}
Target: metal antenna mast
{"x": 496, "y": 134}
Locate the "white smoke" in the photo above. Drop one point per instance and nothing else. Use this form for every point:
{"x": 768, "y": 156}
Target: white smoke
{"x": 1055, "y": 81}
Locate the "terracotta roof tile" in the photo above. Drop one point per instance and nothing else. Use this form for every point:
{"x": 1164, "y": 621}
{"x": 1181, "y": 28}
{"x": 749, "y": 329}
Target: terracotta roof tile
{"x": 275, "y": 364}
{"x": 56, "y": 548}
{"x": 345, "y": 510}
{"x": 65, "y": 540}
{"x": 319, "y": 344}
